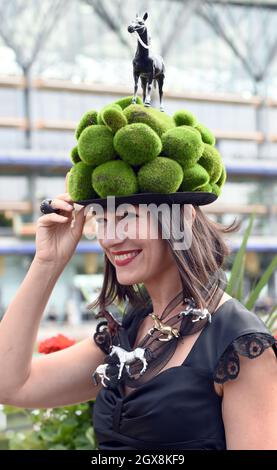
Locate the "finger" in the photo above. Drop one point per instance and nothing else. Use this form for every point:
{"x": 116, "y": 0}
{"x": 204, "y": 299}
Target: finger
{"x": 79, "y": 207}
{"x": 48, "y": 219}
{"x": 64, "y": 196}
{"x": 61, "y": 204}
{"x": 80, "y": 213}
{"x": 78, "y": 217}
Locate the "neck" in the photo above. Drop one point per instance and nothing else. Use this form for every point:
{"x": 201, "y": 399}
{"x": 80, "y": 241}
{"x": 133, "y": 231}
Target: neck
{"x": 162, "y": 292}
{"x": 141, "y": 50}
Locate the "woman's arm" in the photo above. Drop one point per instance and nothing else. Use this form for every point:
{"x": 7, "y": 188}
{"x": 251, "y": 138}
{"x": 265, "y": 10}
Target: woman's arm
{"x": 60, "y": 378}
{"x": 63, "y": 377}
{"x": 56, "y": 379}
{"x": 249, "y": 406}
{"x": 19, "y": 326}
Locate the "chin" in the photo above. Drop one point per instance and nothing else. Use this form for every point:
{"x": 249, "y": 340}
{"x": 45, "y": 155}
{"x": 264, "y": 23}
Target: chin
{"x": 127, "y": 280}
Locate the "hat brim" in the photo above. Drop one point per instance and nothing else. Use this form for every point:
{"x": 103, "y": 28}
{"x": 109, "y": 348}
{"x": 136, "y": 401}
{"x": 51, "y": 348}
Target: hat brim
{"x": 199, "y": 198}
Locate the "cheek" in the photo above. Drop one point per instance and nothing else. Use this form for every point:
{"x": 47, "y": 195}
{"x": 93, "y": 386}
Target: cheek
{"x": 135, "y": 229}
{"x": 161, "y": 255}
{"x": 156, "y": 255}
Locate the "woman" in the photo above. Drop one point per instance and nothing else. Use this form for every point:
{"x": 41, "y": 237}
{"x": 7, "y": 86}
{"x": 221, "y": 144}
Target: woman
{"x": 64, "y": 377}
{"x": 175, "y": 371}
{"x": 199, "y": 399}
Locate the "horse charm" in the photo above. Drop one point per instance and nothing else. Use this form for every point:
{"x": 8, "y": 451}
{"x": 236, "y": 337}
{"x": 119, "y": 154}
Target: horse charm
{"x": 146, "y": 66}
{"x": 128, "y": 357}
{"x": 101, "y": 371}
{"x": 112, "y": 318}
{"x": 106, "y": 329}
{"x": 191, "y": 310}
{"x": 163, "y": 328}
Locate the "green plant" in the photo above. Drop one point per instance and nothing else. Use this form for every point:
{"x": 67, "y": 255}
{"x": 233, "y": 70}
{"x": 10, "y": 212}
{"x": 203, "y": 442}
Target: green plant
{"x": 236, "y": 280}
{"x": 65, "y": 428}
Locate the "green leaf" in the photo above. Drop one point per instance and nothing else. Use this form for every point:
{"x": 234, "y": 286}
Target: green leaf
{"x": 254, "y": 294}
{"x": 9, "y": 410}
{"x": 26, "y": 441}
{"x": 58, "y": 447}
{"x": 239, "y": 260}
{"x": 272, "y": 316}
{"x": 67, "y": 427}
{"x": 240, "y": 290}
{"x": 49, "y": 434}
{"x": 91, "y": 436}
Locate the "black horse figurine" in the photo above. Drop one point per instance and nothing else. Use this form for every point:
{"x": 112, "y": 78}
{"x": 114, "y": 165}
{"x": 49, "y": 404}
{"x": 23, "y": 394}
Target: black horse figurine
{"x": 145, "y": 65}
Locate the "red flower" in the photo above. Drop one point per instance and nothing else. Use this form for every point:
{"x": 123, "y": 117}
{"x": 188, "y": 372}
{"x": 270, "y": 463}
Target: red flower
{"x": 56, "y": 343}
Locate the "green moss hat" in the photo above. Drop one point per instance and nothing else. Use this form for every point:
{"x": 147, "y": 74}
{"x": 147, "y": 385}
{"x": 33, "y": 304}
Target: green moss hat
{"x": 139, "y": 154}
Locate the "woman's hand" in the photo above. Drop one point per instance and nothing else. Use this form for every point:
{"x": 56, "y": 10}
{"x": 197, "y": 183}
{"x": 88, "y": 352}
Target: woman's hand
{"x": 57, "y": 235}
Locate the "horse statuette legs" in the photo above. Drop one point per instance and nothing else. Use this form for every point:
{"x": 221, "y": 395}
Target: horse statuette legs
{"x": 146, "y": 66}
{"x": 192, "y": 310}
{"x": 128, "y": 357}
{"x": 101, "y": 371}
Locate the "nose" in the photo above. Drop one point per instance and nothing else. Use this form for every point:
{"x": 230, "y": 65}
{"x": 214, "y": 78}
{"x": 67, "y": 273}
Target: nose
{"x": 112, "y": 239}
{"x": 131, "y": 29}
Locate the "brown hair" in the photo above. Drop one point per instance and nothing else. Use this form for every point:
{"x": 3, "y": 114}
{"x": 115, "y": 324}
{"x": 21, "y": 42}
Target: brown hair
{"x": 196, "y": 265}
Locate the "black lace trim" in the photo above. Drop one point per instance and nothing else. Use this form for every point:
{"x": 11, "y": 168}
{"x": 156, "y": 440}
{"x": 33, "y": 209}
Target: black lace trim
{"x": 102, "y": 337}
{"x": 250, "y": 345}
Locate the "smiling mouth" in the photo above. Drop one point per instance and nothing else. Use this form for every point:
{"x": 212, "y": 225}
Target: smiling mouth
{"x": 121, "y": 260}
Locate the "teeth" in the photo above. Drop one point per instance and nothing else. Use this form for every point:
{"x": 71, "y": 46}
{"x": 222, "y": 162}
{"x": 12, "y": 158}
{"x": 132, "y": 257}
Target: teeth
{"x": 126, "y": 256}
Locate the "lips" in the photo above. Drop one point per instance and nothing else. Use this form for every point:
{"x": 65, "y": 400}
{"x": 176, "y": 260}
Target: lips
{"x": 125, "y": 257}
{"x": 123, "y": 252}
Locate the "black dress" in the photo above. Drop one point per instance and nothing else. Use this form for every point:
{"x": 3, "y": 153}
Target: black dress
{"x": 179, "y": 408}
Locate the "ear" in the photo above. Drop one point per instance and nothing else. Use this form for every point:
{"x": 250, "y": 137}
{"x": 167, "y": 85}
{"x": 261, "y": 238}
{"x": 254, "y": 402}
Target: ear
{"x": 145, "y": 16}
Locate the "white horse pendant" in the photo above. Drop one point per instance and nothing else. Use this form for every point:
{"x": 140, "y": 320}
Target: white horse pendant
{"x": 201, "y": 314}
{"x": 128, "y": 357}
{"x": 101, "y": 371}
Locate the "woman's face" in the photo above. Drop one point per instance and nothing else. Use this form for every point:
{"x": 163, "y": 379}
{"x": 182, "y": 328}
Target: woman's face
{"x": 135, "y": 236}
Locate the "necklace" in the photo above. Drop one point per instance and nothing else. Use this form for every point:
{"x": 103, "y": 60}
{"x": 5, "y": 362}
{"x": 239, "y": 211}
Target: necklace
{"x": 134, "y": 366}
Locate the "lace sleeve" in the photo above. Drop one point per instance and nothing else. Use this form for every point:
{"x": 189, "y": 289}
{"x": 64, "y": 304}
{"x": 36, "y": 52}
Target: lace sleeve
{"x": 250, "y": 345}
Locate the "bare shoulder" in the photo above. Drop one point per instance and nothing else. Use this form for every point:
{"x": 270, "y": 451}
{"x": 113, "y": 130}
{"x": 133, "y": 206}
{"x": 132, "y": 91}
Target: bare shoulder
{"x": 249, "y": 405}
{"x": 223, "y": 299}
